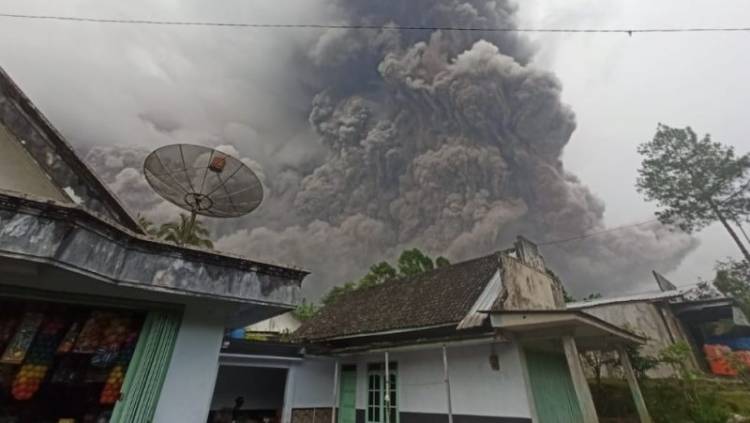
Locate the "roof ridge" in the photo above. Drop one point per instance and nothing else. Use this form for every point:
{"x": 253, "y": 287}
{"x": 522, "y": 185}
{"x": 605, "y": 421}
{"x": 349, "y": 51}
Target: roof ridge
{"x": 442, "y": 295}
{"x": 403, "y": 278}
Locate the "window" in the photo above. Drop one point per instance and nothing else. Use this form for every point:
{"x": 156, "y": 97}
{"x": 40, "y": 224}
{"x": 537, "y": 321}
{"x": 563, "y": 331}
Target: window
{"x": 378, "y": 404}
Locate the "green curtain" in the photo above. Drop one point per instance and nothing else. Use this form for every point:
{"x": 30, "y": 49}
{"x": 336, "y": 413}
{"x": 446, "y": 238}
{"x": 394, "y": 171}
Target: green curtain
{"x": 147, "y": 369}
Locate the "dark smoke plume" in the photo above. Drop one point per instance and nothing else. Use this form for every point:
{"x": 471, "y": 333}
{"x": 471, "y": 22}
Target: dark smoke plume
{"x": 448, "y": 141}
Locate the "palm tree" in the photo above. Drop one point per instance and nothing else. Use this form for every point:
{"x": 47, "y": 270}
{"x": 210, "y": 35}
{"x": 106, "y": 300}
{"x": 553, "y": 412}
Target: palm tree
{"x": 147, "y": 225}
{"x": 185, "y": 232}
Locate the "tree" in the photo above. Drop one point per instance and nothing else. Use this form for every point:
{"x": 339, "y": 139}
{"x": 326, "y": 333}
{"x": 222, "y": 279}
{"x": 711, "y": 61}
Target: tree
{"x": 695, "y": 181}
{"x": 414, "y": 261}
{"x": 378, "y": 273}
{"x": 305, "y": 311}
{"x": 147, "y": 225}
{"x": 185, "y": 232}
{"x": 442, "y": 262}
{"x": 411, "y": 262}
{"x": 733, "y": 279}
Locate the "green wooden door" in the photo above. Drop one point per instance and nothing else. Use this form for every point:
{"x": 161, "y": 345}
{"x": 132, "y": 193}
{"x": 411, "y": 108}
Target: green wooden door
{"x": 348, "y": 395}
{"x": 554, "y": 395}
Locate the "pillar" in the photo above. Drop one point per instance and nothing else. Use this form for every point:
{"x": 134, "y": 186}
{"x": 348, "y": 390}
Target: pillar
{"x": 635, "y": 389}
{"x": 581, "y": 385}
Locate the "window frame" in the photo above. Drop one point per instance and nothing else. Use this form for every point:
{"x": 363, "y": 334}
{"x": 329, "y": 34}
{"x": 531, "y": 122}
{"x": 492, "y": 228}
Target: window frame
{"x": 375, "y": 410}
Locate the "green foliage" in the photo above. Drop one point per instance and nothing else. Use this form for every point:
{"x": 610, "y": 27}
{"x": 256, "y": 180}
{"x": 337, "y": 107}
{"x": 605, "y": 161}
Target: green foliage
{"x": 693, "y": 180}
{"x": 147, "y": 225}
{"x": 641, "y": 363}
{"x": 378, "y": 274}
{"x": 410, "y": 262}
{"x": 305, "y": 311}
{"x": 741, "y": 367}
{"x": 183, "y": 233}
{"x": 571, "y": 299}
{"x": 336, "y": 292}
{"x": 442, "y": 262}
{"x": 677, "y": 356}
{"x": 666, "y": 402}
{"x": 592, "y": 296}
{"x": 567, "y": 297}
{"x": 180, "y": 232}
{"x": 699, "y": 405}
{"x": 733, "y": 279}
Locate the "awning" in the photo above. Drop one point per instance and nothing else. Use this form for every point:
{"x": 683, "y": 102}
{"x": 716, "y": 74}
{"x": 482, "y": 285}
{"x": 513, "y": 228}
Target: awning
{"x": 589, "y": 332}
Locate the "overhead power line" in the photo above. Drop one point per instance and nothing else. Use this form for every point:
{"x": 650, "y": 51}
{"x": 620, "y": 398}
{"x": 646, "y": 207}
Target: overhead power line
{"x": 591, "y": 234}
{"x": 386, "y": 27}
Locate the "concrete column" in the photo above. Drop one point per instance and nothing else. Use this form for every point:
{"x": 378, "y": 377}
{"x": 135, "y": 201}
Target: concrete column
{"x": 286, "y": 412}
{"x": 336, "y": 378}
{"x": 635, "y": 389}
{"x": 581, "y": 385}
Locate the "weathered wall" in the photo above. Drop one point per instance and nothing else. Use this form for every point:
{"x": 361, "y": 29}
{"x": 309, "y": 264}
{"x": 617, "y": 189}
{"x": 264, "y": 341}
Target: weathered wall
{"x": 642, "y": 318}
{"x": 20, "y": 173}
{"x": 527, "y": 288}
{"x": 189, "y": 385}
{"x": 478, "y": 392}
{"x": 70, "y": 238}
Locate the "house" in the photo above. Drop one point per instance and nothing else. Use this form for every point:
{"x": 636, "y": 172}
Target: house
{"x": 484, "y": 340}
{"x": 97, "y": 321}
{"x": 672, "y": 315}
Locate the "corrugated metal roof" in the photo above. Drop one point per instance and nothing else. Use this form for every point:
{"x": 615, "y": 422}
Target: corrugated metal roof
{"x": 646, "y": 296}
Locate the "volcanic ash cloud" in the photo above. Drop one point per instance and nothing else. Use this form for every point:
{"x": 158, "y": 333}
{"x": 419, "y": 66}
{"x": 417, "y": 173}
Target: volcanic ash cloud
{"x": 448, "y": 141}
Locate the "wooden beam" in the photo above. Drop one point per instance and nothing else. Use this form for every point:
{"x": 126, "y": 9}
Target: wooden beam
{"x": 581, "y": 385}
{"x": 635, "y": 389}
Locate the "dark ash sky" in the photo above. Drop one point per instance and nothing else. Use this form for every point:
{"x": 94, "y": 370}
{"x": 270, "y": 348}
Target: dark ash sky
{"x": 370, "y": 142}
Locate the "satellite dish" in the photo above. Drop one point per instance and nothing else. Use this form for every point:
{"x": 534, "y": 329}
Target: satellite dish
{"x": 203, "y": 181}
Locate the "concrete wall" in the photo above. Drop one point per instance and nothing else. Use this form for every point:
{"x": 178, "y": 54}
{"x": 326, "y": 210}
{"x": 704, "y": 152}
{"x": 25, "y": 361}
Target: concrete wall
{"x": 312, "y": 383}
{"x": 477, "y": 390}
{"x": 188, "y": 387}
{"x": 262, "y": 388}
{"x": 528, "y": 288}
{"x": 20, "y": 173}
{"x": 642, "y": 318}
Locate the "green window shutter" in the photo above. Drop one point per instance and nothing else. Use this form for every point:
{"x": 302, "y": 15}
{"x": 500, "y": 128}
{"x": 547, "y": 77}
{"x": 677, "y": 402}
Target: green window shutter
{"x": 147, "y": 368}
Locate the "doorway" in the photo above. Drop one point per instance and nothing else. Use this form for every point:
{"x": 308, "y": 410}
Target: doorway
{"x": 348, "y": 395}
{"x": 248, "y": 395}
{"x": 555, "y": 398}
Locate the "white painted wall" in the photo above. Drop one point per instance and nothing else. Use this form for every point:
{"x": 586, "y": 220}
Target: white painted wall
{"x": 476, "y": 388}
{"x": 189, "y": 385}
{"x": 312, "y": 383}
{"x": 283, "y": 323}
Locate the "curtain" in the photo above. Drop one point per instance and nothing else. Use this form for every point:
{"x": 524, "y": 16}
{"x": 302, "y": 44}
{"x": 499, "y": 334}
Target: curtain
{"x": 147, "y": 369}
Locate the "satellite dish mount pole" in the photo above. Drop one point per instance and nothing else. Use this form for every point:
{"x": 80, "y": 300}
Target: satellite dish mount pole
{"x": 191, "y": 223}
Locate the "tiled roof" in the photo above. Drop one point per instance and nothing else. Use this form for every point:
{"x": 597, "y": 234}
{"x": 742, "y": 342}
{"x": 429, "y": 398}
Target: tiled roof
{"x": 440, "y": 296}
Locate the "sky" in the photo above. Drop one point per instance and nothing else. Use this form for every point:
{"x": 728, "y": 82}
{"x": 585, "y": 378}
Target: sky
{"x": 620, "y": 87}
{"x": 140, "y": 86}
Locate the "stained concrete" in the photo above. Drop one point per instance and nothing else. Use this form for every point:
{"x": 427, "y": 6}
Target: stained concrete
{"x": 20, "y": 173}
{"x": 70, "y": 238}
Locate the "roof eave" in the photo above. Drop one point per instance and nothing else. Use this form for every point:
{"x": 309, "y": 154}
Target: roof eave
{"x": 69, "y": 237}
